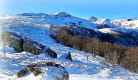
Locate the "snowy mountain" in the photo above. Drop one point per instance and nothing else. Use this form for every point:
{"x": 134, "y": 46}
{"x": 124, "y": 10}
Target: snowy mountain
{"x": 118, "y": 23}
{"x": 58, "y": 19}
{"x": 100, "y": 21}
{"x": 61, "y": 19}
{"x": 65, "y": 19}
{"x": 126, "y": 23}
{"x": 36, "y": 27}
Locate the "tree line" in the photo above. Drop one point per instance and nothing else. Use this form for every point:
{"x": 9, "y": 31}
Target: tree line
{"x": 113, "y": 53}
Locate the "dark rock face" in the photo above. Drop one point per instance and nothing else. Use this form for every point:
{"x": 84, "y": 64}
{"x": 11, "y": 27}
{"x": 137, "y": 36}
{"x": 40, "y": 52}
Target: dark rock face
{"x": 36, "y": 71}
{"x": 69, "y": 56}
{"x": 27, "y": 46}
{"x": 51, "y": 53}
{"x": 16, "y": 44}
{"x": 22, "y": 73}
{"x": 20, "y": 43}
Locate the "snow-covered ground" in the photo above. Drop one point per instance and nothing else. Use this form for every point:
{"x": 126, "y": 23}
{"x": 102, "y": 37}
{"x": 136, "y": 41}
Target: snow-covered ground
{"x": 83, "y": 67}
{"x": 79, "y": 68}
{"x": 106, "y": 30}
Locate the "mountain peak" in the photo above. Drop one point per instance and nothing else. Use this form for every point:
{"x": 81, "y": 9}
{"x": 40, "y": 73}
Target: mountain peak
{"x": 62, "y": 14}
{"x": 92, "y": 18}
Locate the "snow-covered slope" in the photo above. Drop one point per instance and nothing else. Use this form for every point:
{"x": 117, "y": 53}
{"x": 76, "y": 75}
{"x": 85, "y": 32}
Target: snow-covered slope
{"x": 58, "y": 19}
{"x": 100, "y": 21}
{"x": 93, "y": 68}
{"x": 36, "y": 27}
{"x": 126, "y": 23}
{"x": 79, "y": 69}
{"x": 118, "y": 23}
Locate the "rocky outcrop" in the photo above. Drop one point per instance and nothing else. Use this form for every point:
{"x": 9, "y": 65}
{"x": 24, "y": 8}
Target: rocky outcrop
{"x": 12, "y": 41}
{"x": 23, "y": 72}
{"x": 58, "y": 72}
{"x": 28, "y": 46}
{"x": 21, "y": 43}
{"x": 33, "y": 68}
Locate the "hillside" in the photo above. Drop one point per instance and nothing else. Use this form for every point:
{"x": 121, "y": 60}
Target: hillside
{"x": 84, "y": 66}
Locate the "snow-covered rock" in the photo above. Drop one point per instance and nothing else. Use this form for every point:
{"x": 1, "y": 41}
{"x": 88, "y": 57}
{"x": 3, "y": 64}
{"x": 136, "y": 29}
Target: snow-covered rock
{"x": 43, "y": 70}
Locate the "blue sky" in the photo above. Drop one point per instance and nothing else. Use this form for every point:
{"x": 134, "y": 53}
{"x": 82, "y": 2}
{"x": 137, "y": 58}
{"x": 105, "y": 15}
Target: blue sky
{"x": 112, "y": 9}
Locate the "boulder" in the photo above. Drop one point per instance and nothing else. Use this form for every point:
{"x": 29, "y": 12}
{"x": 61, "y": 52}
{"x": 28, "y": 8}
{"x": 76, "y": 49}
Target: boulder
{"x": 51, "y": 53}
{"x": 58, "y": 71}
{"x": 22, "y": 73}
{"x": 68, "y": 56}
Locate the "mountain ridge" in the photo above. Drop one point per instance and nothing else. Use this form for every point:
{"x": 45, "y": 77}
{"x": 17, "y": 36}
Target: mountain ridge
{"x": 92, "y": 22}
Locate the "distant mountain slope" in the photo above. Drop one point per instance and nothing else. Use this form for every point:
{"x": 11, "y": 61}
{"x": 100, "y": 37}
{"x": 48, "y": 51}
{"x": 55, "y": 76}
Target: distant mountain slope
{"x": 118, "y": 23}
{"x": 126, "y": 23}
{"x": 65, "y": 19}
{"x": 101, "y": 22}
{"x": 58, "y": 19}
